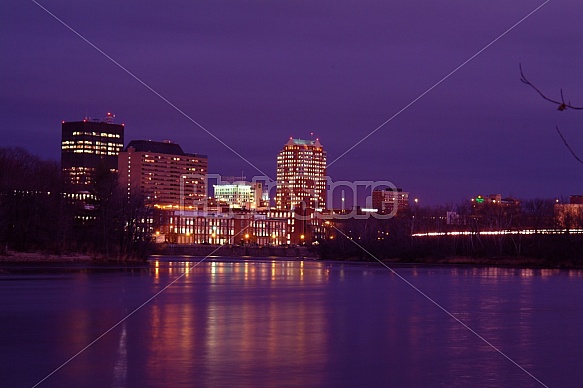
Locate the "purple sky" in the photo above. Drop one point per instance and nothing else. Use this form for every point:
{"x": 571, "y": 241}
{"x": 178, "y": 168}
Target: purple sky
{"x": 255, "y": 73}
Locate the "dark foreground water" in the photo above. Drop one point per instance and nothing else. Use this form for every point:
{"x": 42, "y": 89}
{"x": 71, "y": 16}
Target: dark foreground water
{"x": 286, "y": 323}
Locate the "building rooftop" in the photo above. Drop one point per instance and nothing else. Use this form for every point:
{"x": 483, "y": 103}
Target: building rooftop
{"x": 107, "y": 120}
{"x": 293, "y": 141}
{"x": 157, "y": 147}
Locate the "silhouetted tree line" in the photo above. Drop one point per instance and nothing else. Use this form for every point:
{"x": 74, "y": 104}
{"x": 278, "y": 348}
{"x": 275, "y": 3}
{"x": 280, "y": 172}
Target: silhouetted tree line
{"x": 394, "y": 238}
{"x": 36, "y": 213}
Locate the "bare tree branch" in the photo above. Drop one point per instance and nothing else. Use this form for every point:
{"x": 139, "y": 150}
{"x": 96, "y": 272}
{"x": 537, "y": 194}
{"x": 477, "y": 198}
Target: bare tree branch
{"x": 562, "y": 104}
{"x": 568, "y": 146}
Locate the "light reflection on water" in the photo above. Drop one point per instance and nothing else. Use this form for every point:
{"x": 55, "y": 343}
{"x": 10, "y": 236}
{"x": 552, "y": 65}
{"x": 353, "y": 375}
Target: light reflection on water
{"x": 289, "y": 323}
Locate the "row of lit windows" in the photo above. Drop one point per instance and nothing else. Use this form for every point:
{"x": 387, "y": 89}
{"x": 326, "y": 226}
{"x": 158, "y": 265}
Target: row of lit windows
{"x": 159, "y": 157}
{"x": 77, "y": 168}
{"x": 301, "y": 159}
{"x": 303, "y": 147}
{"x": 307, "y": 156}
{"x": 95, "y": 152}
{"x": 102, "y": 134}
{"x": 91, "y": 147}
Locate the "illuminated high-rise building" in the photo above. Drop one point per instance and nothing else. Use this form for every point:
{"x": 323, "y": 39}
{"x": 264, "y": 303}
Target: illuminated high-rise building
{"x": 301, "y": 175}
{"x": 163, "y": 173}
{"x": 87, "y": 144}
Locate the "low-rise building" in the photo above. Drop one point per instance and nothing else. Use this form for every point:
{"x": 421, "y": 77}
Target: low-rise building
{"x": 385, "y": 201}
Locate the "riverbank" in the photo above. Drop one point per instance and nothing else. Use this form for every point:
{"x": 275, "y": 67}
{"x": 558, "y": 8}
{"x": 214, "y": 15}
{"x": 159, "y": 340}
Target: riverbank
{"x": 37, "y": 257}
{"x": 510, "y": 261}
{"x": 290, "y": 253}
{"x": 70, "y": 257}
{"x": 236, "y": 251}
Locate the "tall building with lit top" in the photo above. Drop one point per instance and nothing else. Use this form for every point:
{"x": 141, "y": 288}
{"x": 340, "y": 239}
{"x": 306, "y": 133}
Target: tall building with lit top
{"x": 301, "y": 175}
{"x": 163, "y": 173}
{"x": 87, "y": 144}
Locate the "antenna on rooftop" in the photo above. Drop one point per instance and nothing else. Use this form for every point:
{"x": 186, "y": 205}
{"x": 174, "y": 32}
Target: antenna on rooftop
{"x": 109, "y": 118}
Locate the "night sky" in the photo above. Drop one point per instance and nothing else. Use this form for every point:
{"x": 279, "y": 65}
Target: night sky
{"x": 254, "y": 73}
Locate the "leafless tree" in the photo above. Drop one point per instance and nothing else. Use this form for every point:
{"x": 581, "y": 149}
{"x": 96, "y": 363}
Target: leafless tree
{"x": 561, "y": 106}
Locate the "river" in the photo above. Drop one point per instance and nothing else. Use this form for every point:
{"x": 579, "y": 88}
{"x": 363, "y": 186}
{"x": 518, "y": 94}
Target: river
{"x": 237, "y": 322}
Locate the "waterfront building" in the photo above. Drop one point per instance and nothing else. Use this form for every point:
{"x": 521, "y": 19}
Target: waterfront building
{"x": 301, "y": 175}
{"x": 235, "y": 227}
{"x": 87, "y": 145}
{"x": 165, "y": 175}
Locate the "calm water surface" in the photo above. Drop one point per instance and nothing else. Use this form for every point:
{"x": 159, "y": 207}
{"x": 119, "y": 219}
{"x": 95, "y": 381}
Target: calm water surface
{"x": 289, "y": 323}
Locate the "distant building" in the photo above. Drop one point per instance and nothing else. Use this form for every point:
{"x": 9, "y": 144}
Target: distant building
{"x": 570, "y": 216}
{"x": 386, "y": 200}
{"x": 164, "y": 174}
{"x": 86, "y": 145}
{"x": 301, "y": 175}
{"x": 494, "y": 199}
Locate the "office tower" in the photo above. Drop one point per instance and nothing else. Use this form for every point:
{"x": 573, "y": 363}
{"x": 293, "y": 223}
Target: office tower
{"x": 301, "y": 175}
{"x": 87, "y": 145}
{"x": 164, "y": 174}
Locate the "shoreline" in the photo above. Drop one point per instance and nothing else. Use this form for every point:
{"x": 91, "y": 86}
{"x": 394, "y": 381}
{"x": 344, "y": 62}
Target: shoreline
{"x": 505, "y": 261}
{"x": 37, "y": 257}
{"x": 12, "y": 257}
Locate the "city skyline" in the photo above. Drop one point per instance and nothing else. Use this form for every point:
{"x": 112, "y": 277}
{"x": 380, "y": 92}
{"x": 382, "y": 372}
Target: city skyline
{"x": 338, "y": 70}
